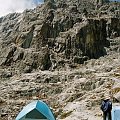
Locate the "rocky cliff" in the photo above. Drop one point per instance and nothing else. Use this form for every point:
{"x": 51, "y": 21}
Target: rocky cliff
{"x": 64, "y": 38}
{"x": 55, "y": 33}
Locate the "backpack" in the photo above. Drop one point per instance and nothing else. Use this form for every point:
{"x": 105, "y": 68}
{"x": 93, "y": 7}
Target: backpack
{"x": 106, "y": 106}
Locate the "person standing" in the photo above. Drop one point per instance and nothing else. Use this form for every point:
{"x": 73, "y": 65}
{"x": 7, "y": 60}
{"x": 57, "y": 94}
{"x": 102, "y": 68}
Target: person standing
{"x": 106, "y": 107}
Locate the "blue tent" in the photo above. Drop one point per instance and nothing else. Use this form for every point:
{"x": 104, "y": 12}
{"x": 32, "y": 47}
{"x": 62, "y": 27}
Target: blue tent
{"x": 37, "y": 110}
{"x": 116, "y": 113}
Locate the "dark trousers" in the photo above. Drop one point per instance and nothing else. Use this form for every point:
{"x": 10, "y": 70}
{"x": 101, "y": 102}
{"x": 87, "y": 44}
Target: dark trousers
{"x": 107, "y": 116}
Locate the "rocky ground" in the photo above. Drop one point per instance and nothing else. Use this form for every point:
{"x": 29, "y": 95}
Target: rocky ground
{"x": 64, "y": 53}
{"x": 72, "y": 93}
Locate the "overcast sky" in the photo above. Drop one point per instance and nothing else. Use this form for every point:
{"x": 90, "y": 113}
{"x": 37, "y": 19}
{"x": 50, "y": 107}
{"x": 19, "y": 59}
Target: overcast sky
{"x": 9, "y": 6}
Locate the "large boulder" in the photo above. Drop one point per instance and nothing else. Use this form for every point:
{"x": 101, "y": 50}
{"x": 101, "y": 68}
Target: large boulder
{"x": 117, "y": 96}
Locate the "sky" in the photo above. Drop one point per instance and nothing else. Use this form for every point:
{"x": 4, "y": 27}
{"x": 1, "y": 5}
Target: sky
{"x": 10, "y": 6}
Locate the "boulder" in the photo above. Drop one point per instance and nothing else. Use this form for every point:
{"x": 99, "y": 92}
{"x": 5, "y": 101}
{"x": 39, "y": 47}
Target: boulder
{"x": 117, "y": 96}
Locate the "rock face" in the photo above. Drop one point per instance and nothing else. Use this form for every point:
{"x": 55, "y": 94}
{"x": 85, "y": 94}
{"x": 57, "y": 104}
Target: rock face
{"x": 67, "y": 49}
{"x": 64, "y": 32}
{"x": 82, "y": 40}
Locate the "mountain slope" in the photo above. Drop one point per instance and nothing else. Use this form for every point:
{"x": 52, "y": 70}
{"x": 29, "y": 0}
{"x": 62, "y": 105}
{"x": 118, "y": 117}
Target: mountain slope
{"x": 65, "y": 53}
